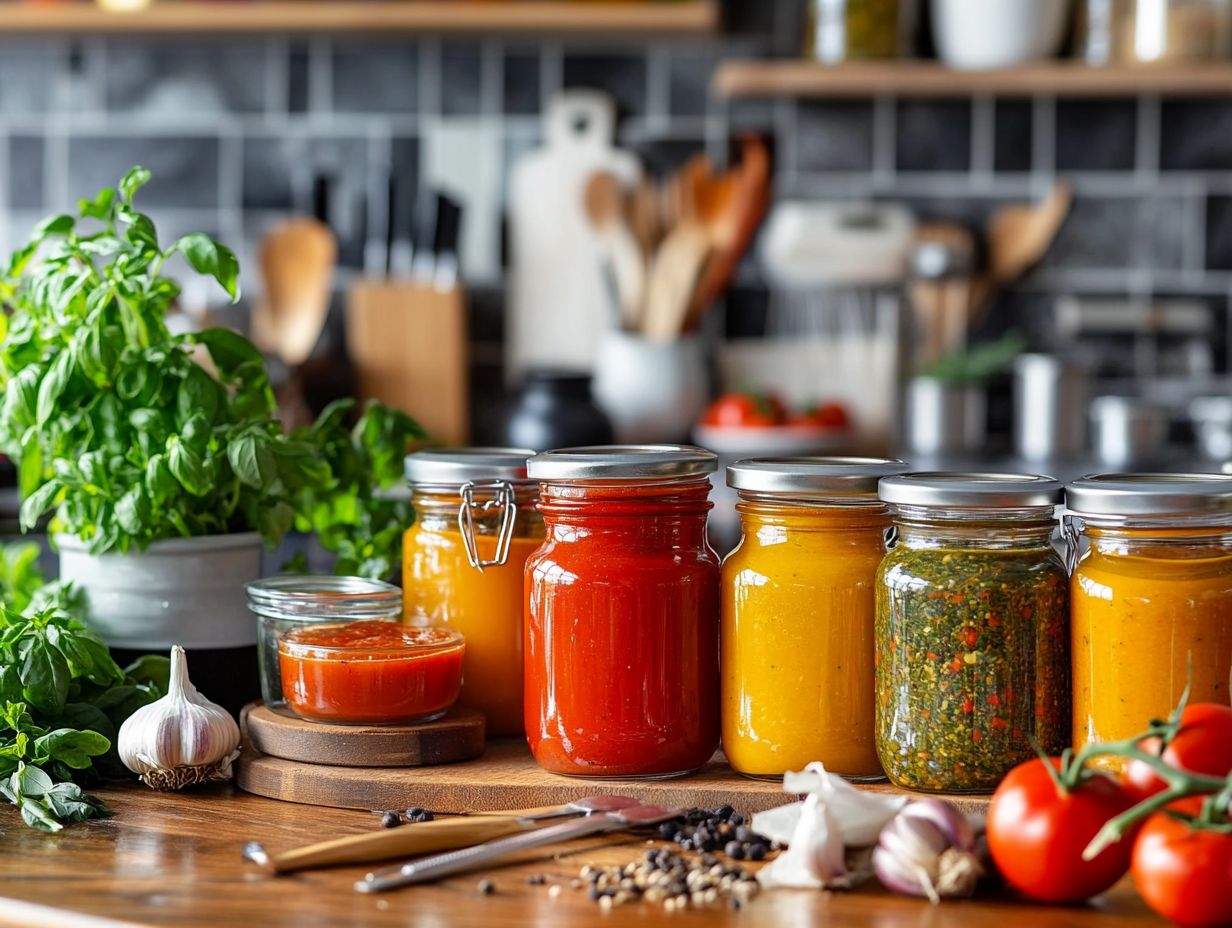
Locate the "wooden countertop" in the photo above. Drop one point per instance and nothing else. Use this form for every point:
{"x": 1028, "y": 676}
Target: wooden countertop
{"x": 174, "y": 860}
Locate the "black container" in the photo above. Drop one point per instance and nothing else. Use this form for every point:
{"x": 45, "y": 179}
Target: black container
{"x": 554, "y": 409}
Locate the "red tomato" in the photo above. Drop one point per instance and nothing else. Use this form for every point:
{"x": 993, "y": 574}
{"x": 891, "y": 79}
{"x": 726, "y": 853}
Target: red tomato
{"x": 827, "y": 415}
{"x": 1184, "y": 873}
{"x": 1202, "y": 745}
{"x": 744, "y": 410}
{"x": 1037, "y": 833}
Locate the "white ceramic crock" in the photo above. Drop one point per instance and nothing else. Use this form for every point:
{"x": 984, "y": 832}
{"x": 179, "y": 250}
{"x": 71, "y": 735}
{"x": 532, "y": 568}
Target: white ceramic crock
{"x": 186, "y": 591}
{"x": 652, "y": 391}
{"x": 980, "y": 35}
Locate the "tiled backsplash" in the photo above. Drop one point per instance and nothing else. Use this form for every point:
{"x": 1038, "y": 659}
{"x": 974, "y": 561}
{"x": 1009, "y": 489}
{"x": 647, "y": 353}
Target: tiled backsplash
{"x": 236, "y": 130}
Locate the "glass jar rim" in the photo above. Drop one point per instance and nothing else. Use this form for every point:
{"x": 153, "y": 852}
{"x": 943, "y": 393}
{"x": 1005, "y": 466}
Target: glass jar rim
{"x": 813, "y": 478}
{"x": 1125, "y": 496}
{"x": 622, "y": 462}
{"x": 453, "y": 467}
{"x": 987, "y": 491}
{"x": 312, "y": 598}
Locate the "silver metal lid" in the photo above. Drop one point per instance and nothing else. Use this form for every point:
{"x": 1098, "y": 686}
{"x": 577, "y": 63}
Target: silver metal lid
{"x": 456, "y": 466}
{"x": 1149, "y": 494}
{"x": 623, "y": 462}
{"x": 311, "y": 597}
{"x": 974, "y": 490}
{"x": 813, "y": 476}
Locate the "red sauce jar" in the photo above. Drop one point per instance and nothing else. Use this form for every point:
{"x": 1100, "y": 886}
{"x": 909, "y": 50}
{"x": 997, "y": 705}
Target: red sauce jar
{"x": 622, "y": 613}
{"x": 371, "y": 672}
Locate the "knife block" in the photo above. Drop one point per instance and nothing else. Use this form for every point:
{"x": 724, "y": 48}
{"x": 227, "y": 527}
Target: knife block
{"x": 408, "y": 343}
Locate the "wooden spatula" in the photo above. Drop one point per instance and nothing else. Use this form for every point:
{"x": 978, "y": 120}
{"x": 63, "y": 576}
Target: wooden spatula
{"x": 297, "y": 264}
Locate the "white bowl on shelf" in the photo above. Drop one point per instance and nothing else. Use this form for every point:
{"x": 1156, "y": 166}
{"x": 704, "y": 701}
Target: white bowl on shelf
{"x": 985, "y": 35}
{"x": 748, "y": 441}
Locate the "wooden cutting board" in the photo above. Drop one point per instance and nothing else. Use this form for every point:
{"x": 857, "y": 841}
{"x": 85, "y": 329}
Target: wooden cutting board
{"x": 278, "y": 733}
{"x": 506, "y": 777}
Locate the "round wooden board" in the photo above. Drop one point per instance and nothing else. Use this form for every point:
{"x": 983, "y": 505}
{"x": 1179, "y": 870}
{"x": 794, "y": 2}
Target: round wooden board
{"x": 458, "y": 735}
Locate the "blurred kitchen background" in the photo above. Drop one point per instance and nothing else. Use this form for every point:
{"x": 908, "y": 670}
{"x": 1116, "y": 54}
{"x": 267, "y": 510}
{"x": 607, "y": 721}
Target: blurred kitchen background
{"x": 958, "y": 230}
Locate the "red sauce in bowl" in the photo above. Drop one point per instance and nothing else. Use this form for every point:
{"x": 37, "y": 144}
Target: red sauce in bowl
{"x": 370, "y": 672}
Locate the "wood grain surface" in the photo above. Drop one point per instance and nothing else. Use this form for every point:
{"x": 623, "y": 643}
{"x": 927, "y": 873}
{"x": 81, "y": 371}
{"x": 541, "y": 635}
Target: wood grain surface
{"x": 173, "y": 859}
{"x": 458, "y": 735}
{"x": 506, "y": 777}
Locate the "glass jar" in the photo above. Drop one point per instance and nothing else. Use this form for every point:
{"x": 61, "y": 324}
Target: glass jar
{"x": 463, "y": 561}
{"x": 1171, "y": 31}
{"x": 853, "y": 30}
{"x": 1152, "y": 597}
{"x": 622, "y": 613}
{"x": 972, "y": 630}
{"x": 798, "y": 614}
{"x": 284, "y": 604}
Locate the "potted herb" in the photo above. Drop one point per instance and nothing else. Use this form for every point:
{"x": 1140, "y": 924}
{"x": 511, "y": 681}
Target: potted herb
{"x": 159, "y": 454}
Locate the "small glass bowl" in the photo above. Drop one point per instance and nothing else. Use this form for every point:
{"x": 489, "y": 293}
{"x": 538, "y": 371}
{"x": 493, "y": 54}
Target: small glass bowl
{"x": 282, "y": 604}
{"x": 370, "y": 672}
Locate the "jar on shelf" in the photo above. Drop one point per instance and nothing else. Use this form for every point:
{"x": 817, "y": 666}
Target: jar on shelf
{"x": 972, "y": 631}
{"x": 1172, "y": 31}
{"x": 798, "y": 615}
{"x": 463, "y": 561}
{"x": 853, "y": 30}
{"x": 289, "y": 604}
{"x": 622, "y": 613}
{"x": 1152, "y": 597}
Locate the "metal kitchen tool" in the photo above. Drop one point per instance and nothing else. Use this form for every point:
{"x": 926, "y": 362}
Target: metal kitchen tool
{"x": 1127, "y": 430}
{"x": 424, "y": 837}
{"x": 1050, "y": 402}
{"x": 471, "y": 858}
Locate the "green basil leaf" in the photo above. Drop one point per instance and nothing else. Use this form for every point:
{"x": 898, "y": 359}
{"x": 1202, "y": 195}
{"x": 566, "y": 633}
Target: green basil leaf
{"x": 54, "y": 225}
{"x": 20, "y": 404}
{"x": 30, "y": 470}
{"x": 74, "y": 749}
{"x": 136, "y": 178}
{"x": 198, "y": 394}
{"x": 252, "y": 461}
{"x": 159, "y": 482}
{"x": 45, "y": 677}
{"x": 52, "y": 387}
{"x": 141, "y": 232}
{"x": 85, "y": 716}
{"x": 275, "y": 521}
{"x": 133, "y": 510}
{"x": 68, "y": 803}
{"x": 100, "y": 207}
{"x": 37, "y": 503}
{"x": 188, "y": 467}
{"x": 209, "y": 257}
{"x": 152, "y": 669}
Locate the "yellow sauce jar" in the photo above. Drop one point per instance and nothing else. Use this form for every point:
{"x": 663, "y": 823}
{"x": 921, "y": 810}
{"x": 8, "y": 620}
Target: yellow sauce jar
{"x": 463, "y": 560}
{"x": 798, "y": 604}
{"x": 1151, "y": 597}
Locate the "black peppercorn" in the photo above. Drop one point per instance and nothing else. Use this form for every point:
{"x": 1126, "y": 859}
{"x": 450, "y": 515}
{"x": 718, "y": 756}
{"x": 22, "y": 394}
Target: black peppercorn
{"x": 486, "y": 887}
{"x": 390, "y": 820}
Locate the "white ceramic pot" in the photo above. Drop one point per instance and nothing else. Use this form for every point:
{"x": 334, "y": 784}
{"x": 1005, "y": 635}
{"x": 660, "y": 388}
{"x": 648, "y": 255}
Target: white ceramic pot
{"x": 186, "y": 591}
{"x": 979, "y": 35}
{"x": 652, "y": 391}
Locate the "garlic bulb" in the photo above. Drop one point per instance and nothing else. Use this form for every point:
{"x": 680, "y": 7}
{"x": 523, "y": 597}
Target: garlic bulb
{"x": 182, "y": 738}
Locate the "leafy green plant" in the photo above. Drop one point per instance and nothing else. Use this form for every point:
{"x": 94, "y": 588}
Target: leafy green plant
{"x": 355, "y": 516}
{"x": 978, "y": 363}
{"x": 64, "y": 699}
{"x": 132, "y": 434}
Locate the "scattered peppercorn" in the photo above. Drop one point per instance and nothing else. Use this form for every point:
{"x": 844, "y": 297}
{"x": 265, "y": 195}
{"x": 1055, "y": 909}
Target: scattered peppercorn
{"x": 537, "y": 879}
{"x": 672, "y": 880}
{"x": 390, "y": 819}
{"x": 486, "y": 887}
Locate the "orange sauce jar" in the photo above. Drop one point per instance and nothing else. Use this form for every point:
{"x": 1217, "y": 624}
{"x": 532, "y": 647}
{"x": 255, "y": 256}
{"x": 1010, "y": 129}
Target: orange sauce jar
{"x": 1151, "y": 597}
{"x": 370, "y": 672}
{"x": 463, "y": 563}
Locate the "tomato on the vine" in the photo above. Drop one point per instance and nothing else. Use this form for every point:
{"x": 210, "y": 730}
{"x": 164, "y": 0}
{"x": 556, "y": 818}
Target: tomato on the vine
{"x": 1182, "y": 870}
{"x": 745, "y": 410}
{"x": 1037, "y": 832}
{"x": 1203, "y": 744}
{"x": 825, "y": 415}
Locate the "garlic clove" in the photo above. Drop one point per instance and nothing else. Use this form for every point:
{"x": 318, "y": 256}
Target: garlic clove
{"x": 182, "y": 739}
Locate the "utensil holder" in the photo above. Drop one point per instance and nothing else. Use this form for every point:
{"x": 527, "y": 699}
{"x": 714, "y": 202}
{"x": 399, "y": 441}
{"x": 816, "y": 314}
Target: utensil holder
{"x": 653, "y": 391}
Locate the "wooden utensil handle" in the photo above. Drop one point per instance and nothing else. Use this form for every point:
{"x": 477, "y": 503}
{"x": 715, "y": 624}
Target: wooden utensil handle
{"x": 407, "y": 840}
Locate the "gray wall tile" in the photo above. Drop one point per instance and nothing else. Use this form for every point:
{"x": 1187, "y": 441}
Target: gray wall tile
{"x": 1013, "y": 121}
{"x": 185, "y": 168}
{"x": 185, "y": 77}
{"x": 689, "y": 75}
{"x": 461, "y": 75}
{"x": 27, "y": 71}
{"x": 1219, "y": 233}
{"x": 934, "y": 135}
{"x": 1096, "y": 135}
{"x": 279, "y": 170}
{"x": 1124, "y": 232}
{"x": 375, "y": 78}
{"x": 26, "y": 172}
{"x": 1196, "y": 135}
{"x": 836, "y": 135}
{"x": 621, "y": 75}
{"x": 522, "y": 90}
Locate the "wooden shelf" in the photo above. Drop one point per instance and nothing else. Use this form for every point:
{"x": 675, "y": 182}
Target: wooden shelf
{"x": 538, "y": 17}
{"x": 930, "y": 79}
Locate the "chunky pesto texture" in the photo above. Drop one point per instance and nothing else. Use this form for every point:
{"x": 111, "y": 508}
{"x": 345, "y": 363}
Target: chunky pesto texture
{"x": 972, "y": 660}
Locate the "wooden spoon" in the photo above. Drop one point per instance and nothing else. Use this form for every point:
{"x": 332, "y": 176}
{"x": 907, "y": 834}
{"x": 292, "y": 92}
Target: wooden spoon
{"x": 297, "y": 263}
{"x": 605, "y": 207}
{"x": 1018, "y": 237}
